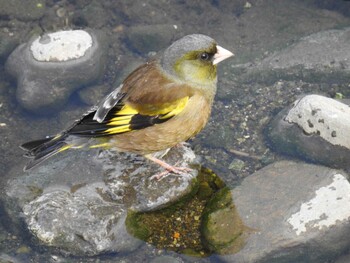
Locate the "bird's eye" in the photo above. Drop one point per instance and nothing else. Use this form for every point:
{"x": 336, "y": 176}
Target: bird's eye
{"x": 205, "y": 56}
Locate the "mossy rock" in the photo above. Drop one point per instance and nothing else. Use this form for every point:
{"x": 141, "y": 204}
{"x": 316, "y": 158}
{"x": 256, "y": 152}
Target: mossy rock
{"x": 178, "y": 226}
{"x": 222, "y": 228}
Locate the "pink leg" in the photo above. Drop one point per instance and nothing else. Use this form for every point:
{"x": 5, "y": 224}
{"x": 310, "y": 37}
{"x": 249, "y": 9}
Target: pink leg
{"x": 168, "y": 167}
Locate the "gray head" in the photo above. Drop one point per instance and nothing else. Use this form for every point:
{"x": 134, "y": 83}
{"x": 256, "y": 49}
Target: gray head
{"x": 184, "y": 45}
{"x": 193, "y": 59}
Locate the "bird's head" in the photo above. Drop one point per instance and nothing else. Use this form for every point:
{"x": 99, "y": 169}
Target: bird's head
{"x": 193, "y": 59}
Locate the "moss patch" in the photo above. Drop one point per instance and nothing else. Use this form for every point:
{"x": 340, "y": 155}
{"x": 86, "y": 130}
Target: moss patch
{"x": 178, "y": 227}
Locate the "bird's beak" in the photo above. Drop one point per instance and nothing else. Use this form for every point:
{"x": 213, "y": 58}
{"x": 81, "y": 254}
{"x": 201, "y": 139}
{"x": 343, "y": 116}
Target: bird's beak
{"x": 221, "y": 54}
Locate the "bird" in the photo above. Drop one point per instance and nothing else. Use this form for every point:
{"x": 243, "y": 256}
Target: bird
{"x": 162, "y": 103}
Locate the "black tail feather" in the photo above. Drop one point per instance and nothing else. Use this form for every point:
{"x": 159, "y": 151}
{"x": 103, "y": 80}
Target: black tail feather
{"x": 30, "y": 146}
{"x": 40, "y": 150}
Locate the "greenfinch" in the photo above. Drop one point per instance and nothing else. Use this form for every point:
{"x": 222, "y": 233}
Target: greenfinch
{"x": 159, "y": 105}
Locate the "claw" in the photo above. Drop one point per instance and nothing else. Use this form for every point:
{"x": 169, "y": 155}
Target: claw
{"x": 169, "y": 168}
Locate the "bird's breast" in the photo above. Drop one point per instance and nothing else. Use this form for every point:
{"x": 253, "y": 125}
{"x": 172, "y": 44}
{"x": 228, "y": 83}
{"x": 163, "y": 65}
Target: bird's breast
{"x": 161, "y": 136}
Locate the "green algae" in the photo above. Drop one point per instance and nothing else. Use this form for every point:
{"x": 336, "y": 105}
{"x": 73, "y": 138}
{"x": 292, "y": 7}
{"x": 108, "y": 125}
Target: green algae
{"x": 178, "y": 227}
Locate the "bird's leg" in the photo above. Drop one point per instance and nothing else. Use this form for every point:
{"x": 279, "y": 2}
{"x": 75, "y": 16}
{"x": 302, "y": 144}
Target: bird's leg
{"x": 183, "y": 144}
{"x": 169, "y": 168}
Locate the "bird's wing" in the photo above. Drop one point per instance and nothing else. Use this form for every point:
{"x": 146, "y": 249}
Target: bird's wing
{"x": 107, "y": 104}
{"x": 125, "y": 118}
{"x": 144, "y": 99}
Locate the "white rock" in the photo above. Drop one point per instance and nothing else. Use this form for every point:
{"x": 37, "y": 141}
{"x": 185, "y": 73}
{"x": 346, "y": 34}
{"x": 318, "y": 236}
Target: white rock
{"x": 61, "y": 46}
{"x": 331, "y": 203}
{"x": 328, "y": 118}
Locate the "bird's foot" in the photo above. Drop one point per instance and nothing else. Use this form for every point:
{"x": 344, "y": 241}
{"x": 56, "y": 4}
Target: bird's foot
{"x": 183, "y": 144}
{"x": 173, "y": 170}
{"x": 168, "y": 168}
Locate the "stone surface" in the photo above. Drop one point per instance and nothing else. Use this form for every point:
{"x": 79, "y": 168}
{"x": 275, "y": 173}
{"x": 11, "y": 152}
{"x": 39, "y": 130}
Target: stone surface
{"x": 295, "y": 212}
{"x": 148, "y": 38}
{"x": 49, "y": 68}
{"x": 330, "y": 204}
{"x": 8, "y": 43}
{"x": 222, "y": 227}
{"x": 93, "y": 94}
{"x": 316, "y": 128}
{"x": 344, "y": 258}
{"x": 320, "y": 57}
{"x": 23, "y": 10}
{"x": 79, "y": 202}
{"x": 61, "y": 46}
{"x": 326, "y": 117}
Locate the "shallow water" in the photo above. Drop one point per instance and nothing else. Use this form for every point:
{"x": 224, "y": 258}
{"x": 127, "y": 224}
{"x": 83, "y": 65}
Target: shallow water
{"x": 232, "y": 144}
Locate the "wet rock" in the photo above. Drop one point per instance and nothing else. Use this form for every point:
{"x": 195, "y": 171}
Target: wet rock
{"x": 93, "y": 94}
{"x": 49, "y": 68}
{"x": 79, "y": 202}
{"x": 222, "y": 227}
{"x": 315, "y": 128}
{"x": 94, "y": 14}
{"x": 8, "y": 43}
{"x": 320, "y": 57}
{"x": 344, "y": 258}
{"x": 295, "y": 212}
{"x": 4, "y": 258}
{"x": 22, "y": 10}
{"x": 168, "y": 259}
{"x": 151, "y": 37}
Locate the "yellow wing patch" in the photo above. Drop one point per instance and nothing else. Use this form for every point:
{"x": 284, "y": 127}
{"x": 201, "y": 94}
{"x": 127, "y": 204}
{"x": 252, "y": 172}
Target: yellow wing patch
{"x": 129, "y": 118}
{"x": 121, "y": 120}
{"x": 175, "y": 109}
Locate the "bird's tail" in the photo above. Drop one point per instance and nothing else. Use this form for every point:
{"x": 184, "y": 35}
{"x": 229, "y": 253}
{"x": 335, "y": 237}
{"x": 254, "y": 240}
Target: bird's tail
{"x": 40, "y": 150}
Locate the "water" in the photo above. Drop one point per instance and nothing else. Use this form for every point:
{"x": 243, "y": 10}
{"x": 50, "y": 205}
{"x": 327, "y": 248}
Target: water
{"x": 232, "y": 144}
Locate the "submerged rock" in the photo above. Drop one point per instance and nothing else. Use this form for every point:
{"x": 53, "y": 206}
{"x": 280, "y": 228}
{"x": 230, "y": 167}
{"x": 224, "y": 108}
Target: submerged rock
{"x": 147, "y": 38}
{"x": 295, "y": 212}
{"x": 315, "y": 128}
{"x": 320, "y": 57}
{"x": 78, "y": 201}
{"x": 23, "y": 10}
{"x": 222, "y": 227}
{"x": 49, "y": 68}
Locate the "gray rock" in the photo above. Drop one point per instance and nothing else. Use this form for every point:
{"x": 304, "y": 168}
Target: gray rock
{"x": 8, "y": 42}
{"x": 222, "y": 227}
{"x": 22, "y": 10}
{"x": 78, "y": 201}
{"x": 49, "y": 68}
{"x": 315, "y": 128}
{"x": 320, "y": 57}
{"x": 295, "y": 212}
{"x": 4, "y": 258}
{"x": 93, "y": 94}
{"x": 151, "y": 37}
{"x": 344, "y": 258}
{"x": 95, "y": 15}
{"x": 167, "y": 259}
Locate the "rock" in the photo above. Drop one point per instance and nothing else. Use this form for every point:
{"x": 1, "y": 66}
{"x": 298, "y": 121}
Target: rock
{"x": 295, "y": 212}
{"x": 344, "y": 258}
{"x": 95, "y": 15}
{"x": 320, "y": 57}
{"x": 79, "y": 202}
{"x": 4, "y": 258}
{"x": 315, "y": 128}
{"x": 151, "y": 37}
{"x": 129, "y": 64}
{"x": 168, "y": 259}
{"x": 49, "y": 68}
{"x": 8, "y": 43}
{"x": 222, "y": 227}
{"x": 93, "y": 94}
{"x": 22, "y": 10}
